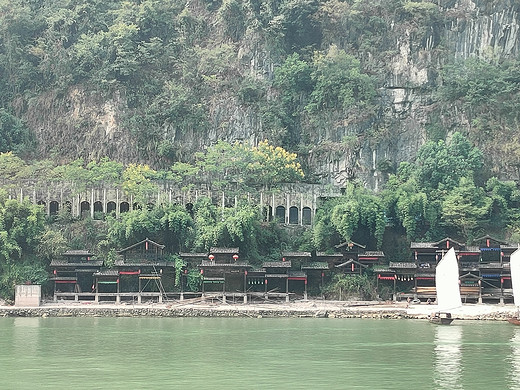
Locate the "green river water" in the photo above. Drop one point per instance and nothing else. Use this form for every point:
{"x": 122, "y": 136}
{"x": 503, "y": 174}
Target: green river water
{"x": 267, "y": 353}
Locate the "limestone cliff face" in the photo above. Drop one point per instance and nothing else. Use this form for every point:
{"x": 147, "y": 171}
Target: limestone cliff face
{"x": 83, "y": 124}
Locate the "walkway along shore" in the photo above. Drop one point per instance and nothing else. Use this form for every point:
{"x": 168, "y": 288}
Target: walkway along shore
{"x": 297, "y": 309}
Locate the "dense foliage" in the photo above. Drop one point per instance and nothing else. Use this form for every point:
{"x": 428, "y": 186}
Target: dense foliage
{"x": 297, "y": 67}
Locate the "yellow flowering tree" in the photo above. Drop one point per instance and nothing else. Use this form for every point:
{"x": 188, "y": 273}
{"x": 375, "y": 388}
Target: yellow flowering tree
{"x": 137, "y": 181}
{"x": 272, "y": 165}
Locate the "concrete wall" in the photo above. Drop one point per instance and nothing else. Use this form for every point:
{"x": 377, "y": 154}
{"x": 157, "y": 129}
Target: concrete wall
{"x": 27, "y": 295}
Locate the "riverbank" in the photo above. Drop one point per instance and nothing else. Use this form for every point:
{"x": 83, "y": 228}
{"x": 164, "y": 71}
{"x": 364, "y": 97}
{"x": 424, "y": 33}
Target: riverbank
{"x": 300, "y": 309}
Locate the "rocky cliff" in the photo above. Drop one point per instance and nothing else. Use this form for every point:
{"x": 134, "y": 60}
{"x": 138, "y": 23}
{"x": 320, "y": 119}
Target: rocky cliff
{"x": 404, "y": 47}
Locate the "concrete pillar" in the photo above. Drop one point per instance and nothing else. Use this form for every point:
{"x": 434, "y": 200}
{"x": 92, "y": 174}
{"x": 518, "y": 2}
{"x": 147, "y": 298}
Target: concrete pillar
{"x": 262, "y": 206}
{"x": 300, "y": 212}
{"x": 181, "y": 297}
{"x": 245, "y": 298}
{"x": 139, "y": 299}
{"x": 287, "y": 205}
{"x": 160, "y": 298}
{"x": 273, "y": 208}
{"x": 286, "y": 297}
{"x": 118, "y": 298}
{"x": 92, "y": 203}
{"x": 117, "y": 203}
{"x": 104, "y": 208}
{"x": 224, "y": 298}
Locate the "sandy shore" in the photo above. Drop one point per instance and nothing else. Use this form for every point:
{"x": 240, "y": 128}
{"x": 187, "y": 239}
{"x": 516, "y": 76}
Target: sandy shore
{"x": 309, "y": 308}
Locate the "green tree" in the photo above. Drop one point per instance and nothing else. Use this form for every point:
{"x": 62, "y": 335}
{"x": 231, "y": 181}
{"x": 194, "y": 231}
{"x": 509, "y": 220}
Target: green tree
{"x": 14, "y": 135}
{"x": 465, "y": 207}
{"x": 137, "y": 181}
{"x": 356, "y": 210}
{"x": 339, "y": 83}
{"x": 441, "y": 165}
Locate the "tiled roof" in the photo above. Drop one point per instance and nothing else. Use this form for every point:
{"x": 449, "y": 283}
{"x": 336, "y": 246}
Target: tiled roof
{"x": 121, "y": 263}
{"x": 382, "y": 269}
{"x": 236, "y": 264}
{"x": 108, "y": 272}
{"x": 316, "y": 265}
{"x": 194, "y": 255}
{"x": 402, "y": 265}
{"x": 296, "y": 254}
{"x": 418, "y": 245}
{"x": 372, "y": 253}
{"x": 351, "y": 244}
{"x": 64, "y": 263}
{"x": 325, "y": 254}
{"x": 277, "y": 264}
{"x": 140, "y": 243}
{"x": 223, "y": 250}
{"x": 448, "y": 239}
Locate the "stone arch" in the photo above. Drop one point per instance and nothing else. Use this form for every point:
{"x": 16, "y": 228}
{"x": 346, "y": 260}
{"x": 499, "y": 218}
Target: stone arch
{"x": 42, "y": 203}
{"x": 306, "y": 216}
{"x": 267, "y": 214}
{"x": 84, "y": 209}
{"x": 54, "y": 207}
{"x": 189, "y": 209}
{"x": 280, "y": 214}
{"x": 98, "y": 209}
{"x": 111, "y": 207}
{"x": 124, "y": 207}
{"x": 293, "y": 215}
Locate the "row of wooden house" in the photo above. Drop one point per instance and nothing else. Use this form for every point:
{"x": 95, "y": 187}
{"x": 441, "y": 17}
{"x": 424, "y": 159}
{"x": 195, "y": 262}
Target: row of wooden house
{"x": 144, "y": 271}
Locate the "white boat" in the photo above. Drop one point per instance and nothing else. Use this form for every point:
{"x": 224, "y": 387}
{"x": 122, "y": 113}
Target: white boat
{"x": 515, "y": 281}
{"x": 447, "y": 287}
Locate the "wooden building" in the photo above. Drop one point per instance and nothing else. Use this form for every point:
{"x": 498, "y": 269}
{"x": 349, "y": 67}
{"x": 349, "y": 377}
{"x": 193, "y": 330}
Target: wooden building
{"x": 141, "y": 270}
{"x": 483, "y": 269}
{"x": 223, "y": 274}
{"x": 73, "y": 274}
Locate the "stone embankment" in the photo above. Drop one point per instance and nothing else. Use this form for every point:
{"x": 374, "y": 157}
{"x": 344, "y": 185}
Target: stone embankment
{"x": 307, "y": 309}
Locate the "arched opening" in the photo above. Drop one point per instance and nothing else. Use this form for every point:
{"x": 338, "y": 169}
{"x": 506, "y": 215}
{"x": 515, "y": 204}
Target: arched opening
{"x": 293, "y": 215}
{"x": 306, "y": 216}
{"x": 42, "y": 203}
{"x": 124, "y": 207}
{"x": 98, "y": 210}
{"x": 280, "y": 214}
{"x": 189, "y": 209}
{"x": 84, "y": 209}
{"x": 111, "y": 207}
{"x": 267, "y": 213}
{"x": 54, "y": 207}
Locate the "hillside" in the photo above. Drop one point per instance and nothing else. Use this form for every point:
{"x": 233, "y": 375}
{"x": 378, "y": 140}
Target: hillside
{"x": 354, "y": 87}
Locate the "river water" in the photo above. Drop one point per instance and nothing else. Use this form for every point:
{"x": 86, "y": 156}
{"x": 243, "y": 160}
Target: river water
{"x": 267, "y": 353}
